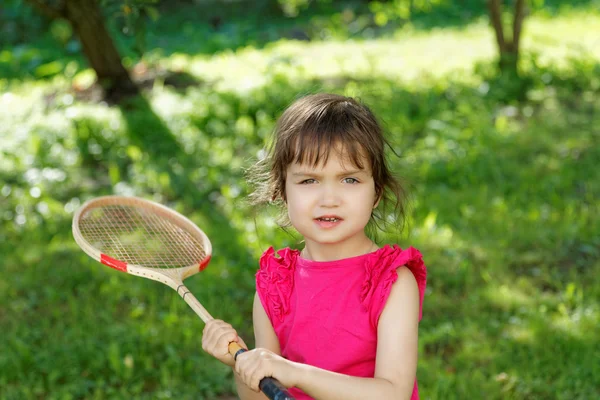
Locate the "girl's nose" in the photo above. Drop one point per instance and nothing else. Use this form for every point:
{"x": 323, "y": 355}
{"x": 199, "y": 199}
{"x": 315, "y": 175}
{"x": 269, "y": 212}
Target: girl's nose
{"x": 330, "y": 196}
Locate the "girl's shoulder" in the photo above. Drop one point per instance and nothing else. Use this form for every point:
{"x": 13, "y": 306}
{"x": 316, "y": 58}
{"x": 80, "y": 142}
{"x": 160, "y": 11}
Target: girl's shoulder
{"x": 381, "y": 268}
{"x": 280, "y": 263}
{"x": 383, "y": 263}
{"x": 275, "y": 280}
{"x": 278, "y": 257}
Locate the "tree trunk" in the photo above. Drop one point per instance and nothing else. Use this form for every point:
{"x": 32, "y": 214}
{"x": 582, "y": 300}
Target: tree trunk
{"x": 86, "y": 18}
{"x": 495, "y": 9}
{"x": 508, "y": 48}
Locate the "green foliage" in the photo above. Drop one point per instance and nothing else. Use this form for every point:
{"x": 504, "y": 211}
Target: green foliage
{"x": 19, "y": 23}
{"x": 504, "y": 209}
{"x": 292, "y": 8}
{"x": 385, "y": 11}
{"x": 131, "y": 17}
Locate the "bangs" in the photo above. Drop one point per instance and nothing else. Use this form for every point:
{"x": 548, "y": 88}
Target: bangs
{"x": 335, "y": 130}
{"x": 313, "y": 150}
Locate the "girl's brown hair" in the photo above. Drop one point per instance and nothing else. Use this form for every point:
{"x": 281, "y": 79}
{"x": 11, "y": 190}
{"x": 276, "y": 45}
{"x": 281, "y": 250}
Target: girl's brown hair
{"x": 306, "y": 133}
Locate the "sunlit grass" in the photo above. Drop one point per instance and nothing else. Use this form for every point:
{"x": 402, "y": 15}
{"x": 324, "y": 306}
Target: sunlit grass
{"x": 410, "y": 56}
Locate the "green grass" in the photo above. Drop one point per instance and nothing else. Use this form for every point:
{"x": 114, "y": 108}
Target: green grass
{"x": 504, "y": 208}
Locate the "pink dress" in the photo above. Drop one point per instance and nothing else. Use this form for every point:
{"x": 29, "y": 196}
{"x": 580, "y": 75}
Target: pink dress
{"x": 325, "y": 313}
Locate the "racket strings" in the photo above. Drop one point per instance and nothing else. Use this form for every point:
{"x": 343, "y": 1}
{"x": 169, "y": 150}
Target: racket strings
{"x": 139, "y": 236}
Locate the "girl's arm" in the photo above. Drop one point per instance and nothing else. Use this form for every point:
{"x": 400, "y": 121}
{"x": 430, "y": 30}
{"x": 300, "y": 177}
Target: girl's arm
{"x": 265, "y": 338}
{"x": 396, "y": 361}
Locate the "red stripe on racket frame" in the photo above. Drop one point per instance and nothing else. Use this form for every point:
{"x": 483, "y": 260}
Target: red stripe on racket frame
{"x": 204, "y": 263}
{"x": 111, "y": 262}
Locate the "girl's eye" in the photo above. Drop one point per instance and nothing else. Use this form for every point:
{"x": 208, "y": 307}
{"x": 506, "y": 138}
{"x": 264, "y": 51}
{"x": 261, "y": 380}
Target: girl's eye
{"x": 350, "y": 180}
{"x": 307, "y": 181}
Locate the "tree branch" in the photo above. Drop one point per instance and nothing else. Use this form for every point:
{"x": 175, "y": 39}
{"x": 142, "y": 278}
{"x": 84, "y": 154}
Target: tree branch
{"x": 495, "y": 8}
{"x": 519, "y": 17}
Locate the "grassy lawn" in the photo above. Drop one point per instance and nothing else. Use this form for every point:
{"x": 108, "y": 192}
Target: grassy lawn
{"x": 504, "y": 206}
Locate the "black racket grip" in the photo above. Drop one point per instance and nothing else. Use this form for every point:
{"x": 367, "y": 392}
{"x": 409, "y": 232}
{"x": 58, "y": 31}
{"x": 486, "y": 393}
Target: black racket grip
{"x": 274, "y": 390}
{"x": 271, "y": 387}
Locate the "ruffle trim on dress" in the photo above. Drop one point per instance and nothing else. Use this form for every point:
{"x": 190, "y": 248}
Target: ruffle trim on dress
{"x": 381, "y": 272}
{"x": 275, "y": 279}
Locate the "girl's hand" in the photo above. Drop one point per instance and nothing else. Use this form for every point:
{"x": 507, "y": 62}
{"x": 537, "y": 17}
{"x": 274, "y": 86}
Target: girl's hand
{"x": 216, "y": 337}
{"x": 256, "y": 364}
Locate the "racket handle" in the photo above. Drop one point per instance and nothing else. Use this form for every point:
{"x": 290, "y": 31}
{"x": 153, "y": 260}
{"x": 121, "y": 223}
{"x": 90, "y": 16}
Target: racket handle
{"x": 271, "y": 387}
{"x": 274, "y": 390}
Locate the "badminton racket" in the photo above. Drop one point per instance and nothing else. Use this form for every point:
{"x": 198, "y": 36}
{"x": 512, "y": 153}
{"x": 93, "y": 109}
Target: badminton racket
{"x": 147, "y": 239}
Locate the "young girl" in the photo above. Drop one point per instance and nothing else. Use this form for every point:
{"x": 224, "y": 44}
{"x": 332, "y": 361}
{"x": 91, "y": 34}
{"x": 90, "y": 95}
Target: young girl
{"x": 339, "y": 319}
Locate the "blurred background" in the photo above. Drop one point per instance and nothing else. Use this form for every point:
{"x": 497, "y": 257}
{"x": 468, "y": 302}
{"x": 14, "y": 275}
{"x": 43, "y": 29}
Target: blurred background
{"x": 492, "y": 106}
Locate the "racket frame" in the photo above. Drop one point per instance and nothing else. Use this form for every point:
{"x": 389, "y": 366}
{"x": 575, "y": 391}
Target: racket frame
{"x": 172, "y": 277}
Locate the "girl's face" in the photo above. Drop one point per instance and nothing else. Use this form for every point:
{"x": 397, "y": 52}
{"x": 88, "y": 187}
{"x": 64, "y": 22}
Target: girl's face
{"x": 330, "y": 205}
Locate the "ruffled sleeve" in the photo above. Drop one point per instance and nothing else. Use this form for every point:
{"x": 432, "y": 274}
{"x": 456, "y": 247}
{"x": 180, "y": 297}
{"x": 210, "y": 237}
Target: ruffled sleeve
{"x": 275, "y": 280}
{"x": 381, "y": 273}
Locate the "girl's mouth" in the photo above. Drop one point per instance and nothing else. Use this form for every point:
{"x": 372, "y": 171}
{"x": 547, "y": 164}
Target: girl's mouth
{"x": 328, "y": 221}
